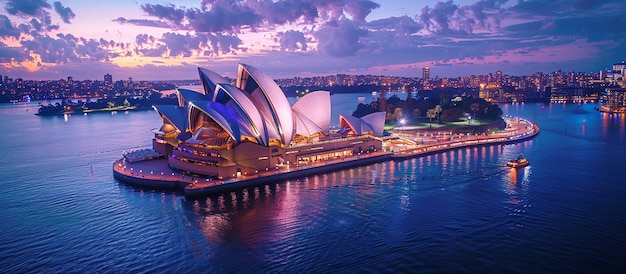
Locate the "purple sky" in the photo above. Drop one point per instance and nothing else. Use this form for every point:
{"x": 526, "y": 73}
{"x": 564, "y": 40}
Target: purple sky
{"x": 154, "y": 40}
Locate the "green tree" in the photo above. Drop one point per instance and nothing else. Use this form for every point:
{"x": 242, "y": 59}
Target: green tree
{"x": 474, "y": 107}
{"x": 438, "y": 110}
{"x": 431, "y": 113}
{"x": 416, "y": 113}
{"x": 397, "y": 114}
{"x": 452, "y": 114}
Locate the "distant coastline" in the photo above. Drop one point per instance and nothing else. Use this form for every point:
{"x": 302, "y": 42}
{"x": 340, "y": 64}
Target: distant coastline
{"x": 104, "y": 105}
{"x": 80, "y": 111}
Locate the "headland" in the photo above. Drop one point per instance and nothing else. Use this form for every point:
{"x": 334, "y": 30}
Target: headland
{"x": 155, "y": 173}
{"x": 226, "y": 136}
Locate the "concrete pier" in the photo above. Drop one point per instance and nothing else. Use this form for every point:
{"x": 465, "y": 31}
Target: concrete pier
{"x": 156, "y": 174}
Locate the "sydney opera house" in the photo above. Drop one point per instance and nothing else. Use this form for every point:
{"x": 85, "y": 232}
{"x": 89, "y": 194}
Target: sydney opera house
{"x": 247, "y": 126}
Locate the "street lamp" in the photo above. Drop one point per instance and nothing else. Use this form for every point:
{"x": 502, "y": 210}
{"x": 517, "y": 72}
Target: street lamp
{"x": 402, "y": 122}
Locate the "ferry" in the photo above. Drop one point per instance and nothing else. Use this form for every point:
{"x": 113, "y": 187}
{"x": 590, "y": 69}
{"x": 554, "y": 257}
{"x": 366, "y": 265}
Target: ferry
{"x": 519, "y": 162}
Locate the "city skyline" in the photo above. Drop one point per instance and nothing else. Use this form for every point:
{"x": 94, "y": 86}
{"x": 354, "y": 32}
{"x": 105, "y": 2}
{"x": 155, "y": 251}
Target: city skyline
{"x": 153, "y": 40}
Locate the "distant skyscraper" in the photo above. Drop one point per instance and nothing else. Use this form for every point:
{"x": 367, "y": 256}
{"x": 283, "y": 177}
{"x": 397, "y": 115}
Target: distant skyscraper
{"x": 601, "y": 75}
{"x": 618, "y": 74}
{"x": 108, "y": 79}
{"x": 426, "y": 73}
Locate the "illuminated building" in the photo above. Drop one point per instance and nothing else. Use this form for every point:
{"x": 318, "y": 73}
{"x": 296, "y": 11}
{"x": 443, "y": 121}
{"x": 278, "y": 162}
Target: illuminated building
{"x": 617, "y": 75}
{"x": 492, "y": 92}
{"x": 108, "y": 79}
{"x": 613, "y": 100}
{"x": 221, "y": 130}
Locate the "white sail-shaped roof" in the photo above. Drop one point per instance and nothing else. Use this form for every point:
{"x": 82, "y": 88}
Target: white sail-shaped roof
{"x": 254, "y": 108}
{"x": 185, "y": 96}
{"x": 354, "y": 123}
{"x": 376, "y": 122}
{"x": 210, "y": 80}
{"x": 304, "y": 125}
{"x": 175, "y": 115}
{"x": 315, "y": 106}
{"x": 373, "y": 122}
{"x": 269, "y": 99}
{"x": 241, "y": 104}
{"x": 220, "y": 114}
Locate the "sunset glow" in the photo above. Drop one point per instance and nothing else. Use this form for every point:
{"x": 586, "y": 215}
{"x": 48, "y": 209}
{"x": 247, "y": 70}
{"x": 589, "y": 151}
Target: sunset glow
{"x": 151, "y": 39}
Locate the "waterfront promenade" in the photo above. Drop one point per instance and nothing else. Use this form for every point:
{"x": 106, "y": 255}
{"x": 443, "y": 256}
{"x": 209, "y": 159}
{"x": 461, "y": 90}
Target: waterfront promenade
{"x": 414, "y": 144}
{"x": 156, "y": 173}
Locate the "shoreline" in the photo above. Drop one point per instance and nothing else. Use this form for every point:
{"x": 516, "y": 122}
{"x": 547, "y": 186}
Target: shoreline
{"x": 158, "y": 175}
{"x": 98, "y": 110}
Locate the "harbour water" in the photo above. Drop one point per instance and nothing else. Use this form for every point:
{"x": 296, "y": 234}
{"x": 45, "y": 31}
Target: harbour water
{"x": 459, "y": 211}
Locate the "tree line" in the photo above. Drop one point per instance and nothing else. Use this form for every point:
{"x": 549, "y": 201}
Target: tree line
{"x": 442, "y": 108}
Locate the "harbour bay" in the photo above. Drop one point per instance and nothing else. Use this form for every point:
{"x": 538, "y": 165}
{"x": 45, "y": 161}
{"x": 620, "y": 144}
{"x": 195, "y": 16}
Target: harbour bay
{"x": 461, "y": 210}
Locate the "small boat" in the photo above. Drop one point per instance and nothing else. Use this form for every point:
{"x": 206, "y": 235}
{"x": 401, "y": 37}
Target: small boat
{"x": 520, "y": 161}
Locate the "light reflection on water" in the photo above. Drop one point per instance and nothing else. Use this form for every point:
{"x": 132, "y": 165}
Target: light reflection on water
{"x": 459, "y": 211}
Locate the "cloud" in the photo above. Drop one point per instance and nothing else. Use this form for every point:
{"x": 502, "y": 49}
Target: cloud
{"x": 181, "y": 45}
{"x": 222, "y": 18}
{"x": 27, "y": 7}
{"x": 157, "y": 51}
{"x": 12, "y": 54}
{"x": 282, "y": 12}
{"x": 403, "y": 25}
{"x": 34, "y": 23}
{"x": 172, "y": 44}
{"x": 223, "y": 44}
{"x": 36, "y": 10}
{"x": 230, "y": 16}
{"x": 169, "y": 12}
{"x": 358, "y": 10}
{"x": 66, "y": 48}
{"x": 340, "y": 39}
{"x": 7, "y": 29}
{"x": 66, "y": 13}
{"x": 292, "y": 40}
{"x": 221, "y": 22}
{"x": 93, "y": 50}
{"x": 142, "y": 39}
{"x": 449, "y": 18}
{"x": 327, "y": 35}
{"x": 355, "y": 10}
{"x": 143, "y": 22}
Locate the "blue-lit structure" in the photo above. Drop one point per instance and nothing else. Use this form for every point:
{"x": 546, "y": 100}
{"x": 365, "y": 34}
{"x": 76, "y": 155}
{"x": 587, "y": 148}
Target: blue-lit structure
{"x": 228, "y": 129}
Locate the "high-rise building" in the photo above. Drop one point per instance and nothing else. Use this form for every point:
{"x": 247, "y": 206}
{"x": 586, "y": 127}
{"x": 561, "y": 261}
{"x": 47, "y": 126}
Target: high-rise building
{"x": 613, "y": 100}
{"x": 426, "y": 73}
{"x": 618, "y": 74}
{"x": 108, "y": 79}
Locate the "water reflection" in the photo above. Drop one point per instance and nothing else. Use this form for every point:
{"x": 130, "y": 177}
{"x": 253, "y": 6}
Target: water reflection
{"x": 280, "y": 215}
{"x": 614, "y": 123}
{"x": 516, "y": 184}
{"x": 270, "y": 213}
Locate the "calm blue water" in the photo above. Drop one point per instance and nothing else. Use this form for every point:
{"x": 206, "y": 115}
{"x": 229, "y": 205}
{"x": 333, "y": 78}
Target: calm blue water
{"x": 460, "y": 211}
